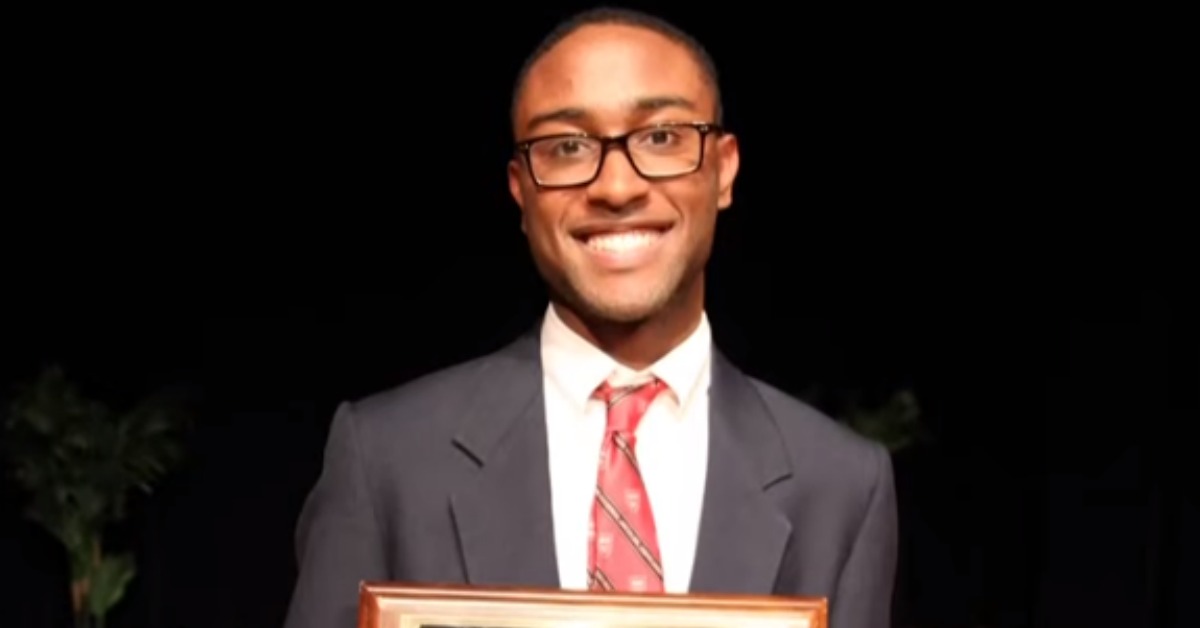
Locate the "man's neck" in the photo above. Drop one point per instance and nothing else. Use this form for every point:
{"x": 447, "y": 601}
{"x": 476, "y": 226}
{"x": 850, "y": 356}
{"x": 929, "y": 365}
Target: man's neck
{"x": 640, "y": 344}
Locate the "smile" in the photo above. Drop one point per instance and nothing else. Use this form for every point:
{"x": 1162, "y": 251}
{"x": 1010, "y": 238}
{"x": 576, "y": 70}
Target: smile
{"x": 625, "y": 249}
{"x": 624, "y": 241}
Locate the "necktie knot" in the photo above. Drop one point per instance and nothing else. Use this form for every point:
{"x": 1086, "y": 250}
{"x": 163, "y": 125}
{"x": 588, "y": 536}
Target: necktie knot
{"x": 626, "y": 405}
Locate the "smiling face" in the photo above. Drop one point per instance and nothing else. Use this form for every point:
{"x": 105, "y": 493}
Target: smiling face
{"x": 622, "y": 248}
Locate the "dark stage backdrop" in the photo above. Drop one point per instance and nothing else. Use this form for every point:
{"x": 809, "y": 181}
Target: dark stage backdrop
{"x": 279, "y": 212}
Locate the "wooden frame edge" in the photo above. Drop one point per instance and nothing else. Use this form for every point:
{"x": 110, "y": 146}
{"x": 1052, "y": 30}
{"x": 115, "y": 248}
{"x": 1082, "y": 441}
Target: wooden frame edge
{"x": 373, "y": 596}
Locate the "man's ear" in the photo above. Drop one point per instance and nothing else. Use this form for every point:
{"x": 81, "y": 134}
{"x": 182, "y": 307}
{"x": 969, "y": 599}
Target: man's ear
{"x": 514, "y": 182}
{"x": 514, "y": 187}
{"x": 728, "y": 162}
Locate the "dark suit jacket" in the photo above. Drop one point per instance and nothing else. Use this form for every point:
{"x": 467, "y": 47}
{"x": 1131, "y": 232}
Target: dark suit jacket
{"x": 445, "y": 480}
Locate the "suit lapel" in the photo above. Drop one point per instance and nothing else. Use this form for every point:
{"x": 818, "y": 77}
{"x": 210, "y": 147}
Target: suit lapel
{"x": 503, "y": 516}
{"x": 742, "y": 534}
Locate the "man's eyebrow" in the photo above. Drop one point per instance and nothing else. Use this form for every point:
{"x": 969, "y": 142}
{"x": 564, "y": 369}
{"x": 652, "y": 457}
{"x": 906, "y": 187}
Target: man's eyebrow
{"x": 575, "y": 114}
{"x": 567, "y": 114}
{"x": 654, "y": 103}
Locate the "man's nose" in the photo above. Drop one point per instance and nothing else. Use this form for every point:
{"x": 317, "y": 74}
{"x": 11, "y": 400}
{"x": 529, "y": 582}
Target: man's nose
{"x": 618, "y": 182}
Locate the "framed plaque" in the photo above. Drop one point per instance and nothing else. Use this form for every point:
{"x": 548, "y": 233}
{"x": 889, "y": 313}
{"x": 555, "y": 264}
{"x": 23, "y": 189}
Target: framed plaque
{"x": 391, "y": 605}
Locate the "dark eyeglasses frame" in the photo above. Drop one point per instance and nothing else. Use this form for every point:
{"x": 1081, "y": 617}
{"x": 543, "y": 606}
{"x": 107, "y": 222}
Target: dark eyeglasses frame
{"x": 622, "y": 141}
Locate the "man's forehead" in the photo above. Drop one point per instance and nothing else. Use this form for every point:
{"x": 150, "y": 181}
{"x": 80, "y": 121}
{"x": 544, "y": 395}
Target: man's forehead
{"x": 602, "y": 51}
{"x": 612, "y": 67}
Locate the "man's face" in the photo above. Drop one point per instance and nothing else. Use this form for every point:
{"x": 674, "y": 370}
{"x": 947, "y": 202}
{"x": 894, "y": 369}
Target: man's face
{"x": 621, "y": 247}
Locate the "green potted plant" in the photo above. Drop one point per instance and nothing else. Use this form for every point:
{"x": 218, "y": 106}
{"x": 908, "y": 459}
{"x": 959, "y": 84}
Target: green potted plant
{"x": 894, "y": 420}
{"x": 79, "y": 461}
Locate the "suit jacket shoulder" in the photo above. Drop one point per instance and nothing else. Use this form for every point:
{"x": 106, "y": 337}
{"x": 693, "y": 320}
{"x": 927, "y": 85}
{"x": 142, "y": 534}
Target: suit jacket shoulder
{"x": 841, "y": 502}
{"x": 432, "y": 407}
{"x": 379, "y": 510}
{"x": 812, "y": 437}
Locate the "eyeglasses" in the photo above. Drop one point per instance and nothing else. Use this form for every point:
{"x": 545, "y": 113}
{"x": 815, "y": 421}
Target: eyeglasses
{"x": 656, "y": 152}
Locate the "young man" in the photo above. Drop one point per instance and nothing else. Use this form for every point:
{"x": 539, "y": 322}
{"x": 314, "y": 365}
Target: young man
{"x": 613, "y": 447}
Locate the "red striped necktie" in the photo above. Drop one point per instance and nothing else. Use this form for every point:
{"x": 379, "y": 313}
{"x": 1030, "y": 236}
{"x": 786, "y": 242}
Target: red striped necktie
{"x": 623, "y": 543}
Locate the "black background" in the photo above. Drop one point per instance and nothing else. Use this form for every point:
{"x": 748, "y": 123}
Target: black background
{"x": 281, "y": 210}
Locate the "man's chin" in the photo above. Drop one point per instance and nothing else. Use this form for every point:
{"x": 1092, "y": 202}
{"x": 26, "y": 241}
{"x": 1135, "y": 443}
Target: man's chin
{"x": 620, "y": 309}
{"x": 619, "y": 314}
{"x": 618, "y": 299}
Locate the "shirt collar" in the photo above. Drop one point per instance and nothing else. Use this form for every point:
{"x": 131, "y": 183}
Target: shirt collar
{"x": 578, "y": 367}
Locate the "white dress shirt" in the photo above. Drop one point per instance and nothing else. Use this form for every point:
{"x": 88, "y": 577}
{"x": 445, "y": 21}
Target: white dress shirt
{"x": 672, "y": 445}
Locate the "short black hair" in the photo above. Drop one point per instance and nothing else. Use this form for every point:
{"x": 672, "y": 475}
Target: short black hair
{"x": 627, "y": 17}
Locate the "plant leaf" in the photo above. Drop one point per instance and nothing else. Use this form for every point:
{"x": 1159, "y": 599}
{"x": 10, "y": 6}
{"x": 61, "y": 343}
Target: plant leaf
{"x": 109, "y": 581}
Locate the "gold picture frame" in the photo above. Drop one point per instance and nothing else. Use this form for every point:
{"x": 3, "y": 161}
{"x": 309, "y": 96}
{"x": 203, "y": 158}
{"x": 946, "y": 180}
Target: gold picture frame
{"x": 392, "y": 605}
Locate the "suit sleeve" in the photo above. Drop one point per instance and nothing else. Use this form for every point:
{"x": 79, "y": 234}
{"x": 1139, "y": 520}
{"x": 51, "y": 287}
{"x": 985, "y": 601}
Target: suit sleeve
{"x": 338, "y": 542}
{"x": 865, "y": 587}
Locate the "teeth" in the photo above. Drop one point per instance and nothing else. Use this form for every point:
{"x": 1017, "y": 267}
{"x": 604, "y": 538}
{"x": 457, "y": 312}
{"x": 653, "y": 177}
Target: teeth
{"x": 621, "y": 242}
